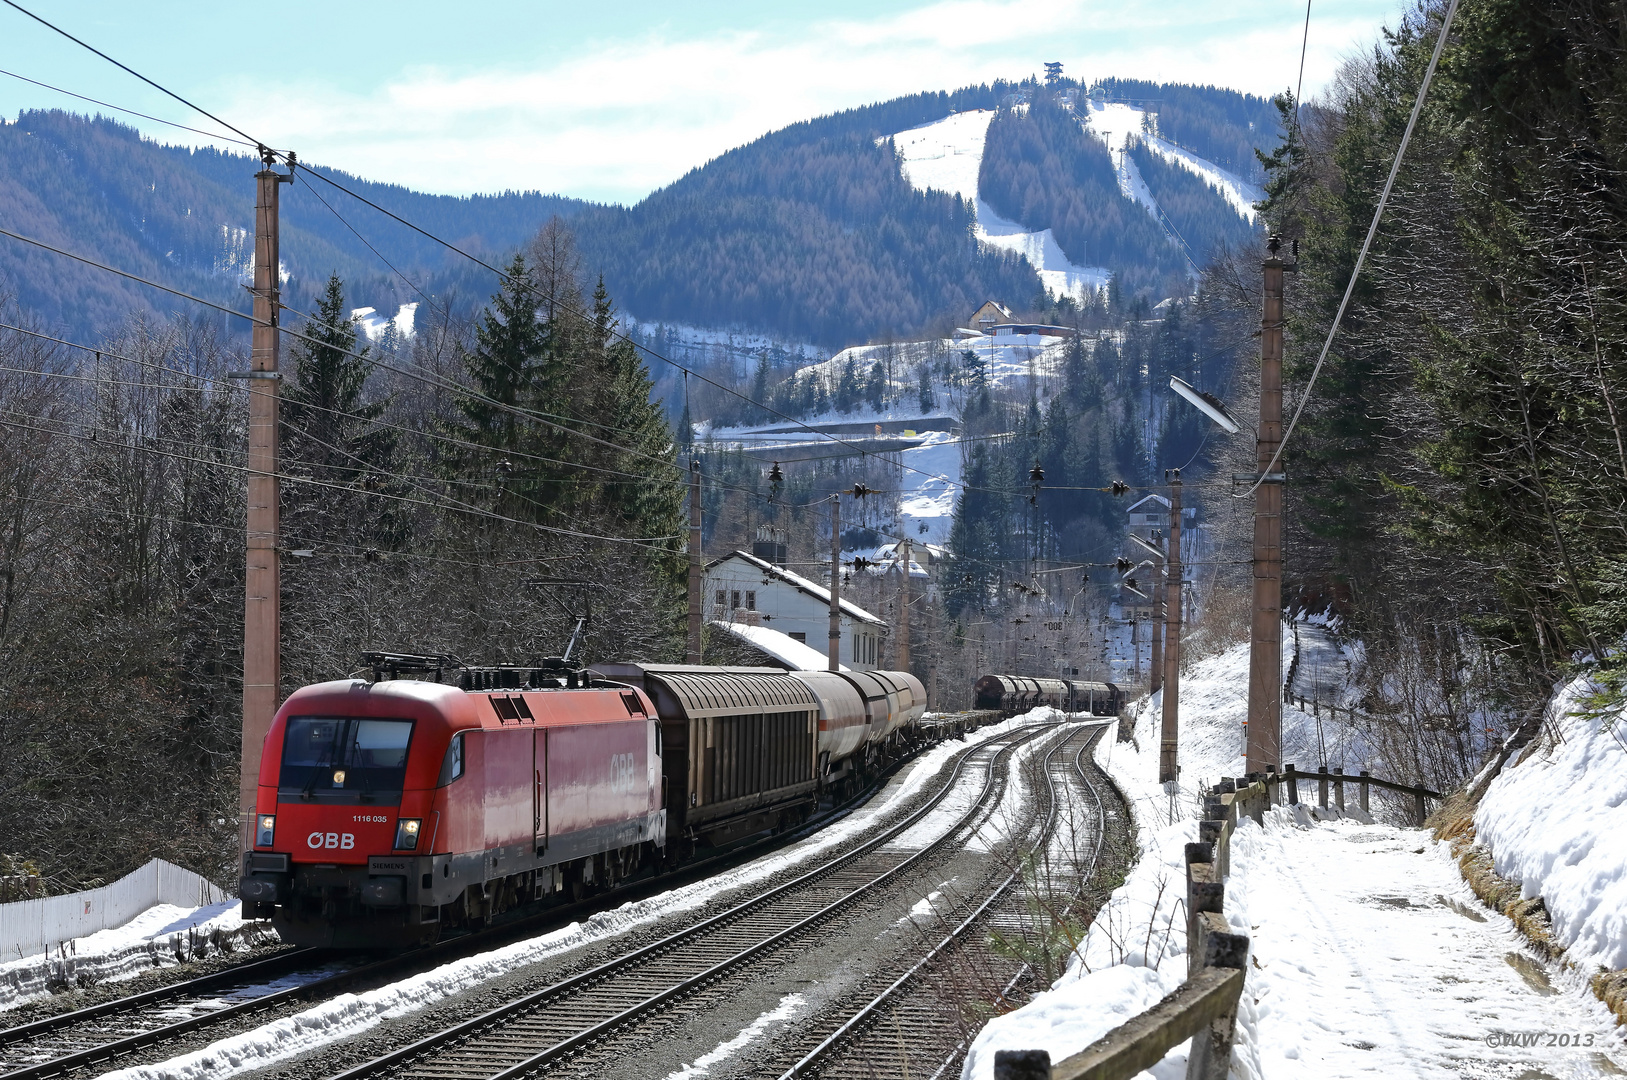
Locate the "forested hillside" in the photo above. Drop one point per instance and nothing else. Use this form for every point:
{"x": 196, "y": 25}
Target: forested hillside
{"x": 822, "y": 240}
{"x": 1203, "y": 222}
{"x": 810, "y": 233}
{"x": 1461, "y": 462}
{"x": 183, "y": 217}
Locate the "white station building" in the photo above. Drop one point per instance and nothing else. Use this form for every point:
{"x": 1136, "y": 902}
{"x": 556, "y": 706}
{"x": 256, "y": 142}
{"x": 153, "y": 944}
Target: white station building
{"x": 750, "y": 590}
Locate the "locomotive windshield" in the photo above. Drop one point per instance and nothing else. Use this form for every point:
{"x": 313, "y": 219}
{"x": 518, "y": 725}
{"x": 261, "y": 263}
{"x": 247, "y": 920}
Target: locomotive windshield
{"x": 344, "y": 755}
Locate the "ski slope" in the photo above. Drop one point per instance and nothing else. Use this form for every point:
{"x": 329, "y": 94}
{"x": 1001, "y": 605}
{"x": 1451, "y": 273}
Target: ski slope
{"x": 1115, "y": 124}
{"x": 945, "y": 155}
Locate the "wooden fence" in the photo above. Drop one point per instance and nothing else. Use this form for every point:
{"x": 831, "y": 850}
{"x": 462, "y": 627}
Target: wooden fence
{"x": 1205, "y": 1005}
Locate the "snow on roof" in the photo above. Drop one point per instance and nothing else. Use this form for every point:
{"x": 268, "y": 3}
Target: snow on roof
{"x": 886, "y": 557}
{"x": 1150, "y": 498}
{"x": 794, "y": 654}
{"x": 802, "y": 584}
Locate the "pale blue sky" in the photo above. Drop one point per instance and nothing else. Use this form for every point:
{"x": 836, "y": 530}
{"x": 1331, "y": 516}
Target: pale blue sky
{"x": 611, "y": 100}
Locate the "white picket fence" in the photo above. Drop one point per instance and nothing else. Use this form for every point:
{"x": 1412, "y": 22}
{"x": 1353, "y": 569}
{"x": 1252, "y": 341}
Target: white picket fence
{"x": 33, "y": 926}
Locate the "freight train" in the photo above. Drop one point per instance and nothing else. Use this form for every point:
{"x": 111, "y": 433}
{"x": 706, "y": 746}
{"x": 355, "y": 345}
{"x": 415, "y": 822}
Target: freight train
{"x": 1012, "y": 694}
{"x": 393, "y": 808}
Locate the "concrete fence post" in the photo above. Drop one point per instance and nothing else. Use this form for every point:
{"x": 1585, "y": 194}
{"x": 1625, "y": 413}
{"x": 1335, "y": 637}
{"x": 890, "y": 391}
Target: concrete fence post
{"x": 1322, "y": 786}
{"x": 1422, "y": 810}
{"x": 1022, "y": 1065}
{"x": 1364, "y": 786}
{"x": 1339, "y": 787}
{"x": 1211, "y": 1055}
{"x": 1204, "y": 892}
{"x": 1293, "y": 784}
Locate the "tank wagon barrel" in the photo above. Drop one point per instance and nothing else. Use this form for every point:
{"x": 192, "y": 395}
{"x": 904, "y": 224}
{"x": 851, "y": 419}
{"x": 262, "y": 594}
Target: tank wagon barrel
{"x": 1013, "y": 694}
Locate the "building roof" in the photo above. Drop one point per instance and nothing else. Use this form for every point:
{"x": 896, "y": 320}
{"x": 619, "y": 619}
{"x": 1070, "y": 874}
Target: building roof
{"x": 800, "y": 583}
{"x": 795, "y": 655}
{"x": 1150, "y": 498}
{"x": 996, "y": 305}
{"x": 1038, "y": 329}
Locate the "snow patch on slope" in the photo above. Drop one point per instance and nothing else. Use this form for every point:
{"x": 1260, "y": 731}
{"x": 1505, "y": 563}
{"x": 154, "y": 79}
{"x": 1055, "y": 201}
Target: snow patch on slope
{"x": 373, "y": 324}
{"x": 1117, "y": 124}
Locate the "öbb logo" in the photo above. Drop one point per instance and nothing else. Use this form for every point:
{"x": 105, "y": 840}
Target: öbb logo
{"x": 342, "y": 841}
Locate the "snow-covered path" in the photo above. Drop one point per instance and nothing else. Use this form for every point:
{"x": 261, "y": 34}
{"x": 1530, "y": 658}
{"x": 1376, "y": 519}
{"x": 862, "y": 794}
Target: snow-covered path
{"x": 1372, "y": 957}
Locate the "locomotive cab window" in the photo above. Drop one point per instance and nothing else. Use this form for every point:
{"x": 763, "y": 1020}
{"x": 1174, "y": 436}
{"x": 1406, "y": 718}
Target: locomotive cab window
{"x": 347, "y": 756}
{"x": 452, "y": 766}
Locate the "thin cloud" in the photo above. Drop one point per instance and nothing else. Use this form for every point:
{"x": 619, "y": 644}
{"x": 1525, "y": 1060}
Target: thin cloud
{"x": 627, "y": 117}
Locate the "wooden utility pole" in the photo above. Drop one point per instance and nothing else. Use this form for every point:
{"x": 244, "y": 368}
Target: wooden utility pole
{"x": 904, "y": 606}
{"x": 1265, "y": 646}
{"x": 262, "y": 631}
{"x": 835, "y": 633}
{"x": 697, "y": 569}
{"x": 1168, "y": 759}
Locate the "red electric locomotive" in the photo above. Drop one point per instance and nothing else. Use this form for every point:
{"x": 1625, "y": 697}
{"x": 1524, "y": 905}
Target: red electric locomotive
{"x": 389, "y": 808}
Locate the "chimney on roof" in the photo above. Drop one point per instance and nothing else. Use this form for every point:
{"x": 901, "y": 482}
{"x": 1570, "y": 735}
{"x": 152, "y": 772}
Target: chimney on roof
{"x": 769, "y": 545}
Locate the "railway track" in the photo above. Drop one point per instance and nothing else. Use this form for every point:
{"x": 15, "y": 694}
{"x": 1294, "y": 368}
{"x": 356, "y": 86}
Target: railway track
{"x": 597, "y": 1007}
{"x": 70, "y": 1041}
{"x": 110, "y": 1032}
{"x": 921, "y": 1021}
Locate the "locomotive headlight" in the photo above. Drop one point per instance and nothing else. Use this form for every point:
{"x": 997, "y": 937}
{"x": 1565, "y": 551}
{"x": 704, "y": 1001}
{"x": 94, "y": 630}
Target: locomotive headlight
{"x": 406, "y": 833}
{"x": 267, "y": 830}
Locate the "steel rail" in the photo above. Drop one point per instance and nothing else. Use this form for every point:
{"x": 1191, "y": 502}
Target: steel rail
{"x": 24, "y": 1032}
{"x": 870, "y": 1008}
{"x": 104, "y": 1051}
{"x": 459, "y": 1033}
{"x": 1095, "y": 858}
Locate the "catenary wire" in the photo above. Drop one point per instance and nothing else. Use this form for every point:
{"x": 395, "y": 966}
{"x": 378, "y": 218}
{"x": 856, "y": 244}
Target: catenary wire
{"x": 122, "y": 109}
{"x": 1367, "y": 243}
{"x": 132, "y": 71}
{"x": 353, "y": 550}
{"x": 1304, "y": 43}
{"x": 632, "y": 477}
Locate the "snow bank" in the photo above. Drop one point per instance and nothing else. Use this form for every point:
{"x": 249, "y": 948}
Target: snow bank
{"x": 164, "y": 934}
{"x": 1557, "y": 824}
